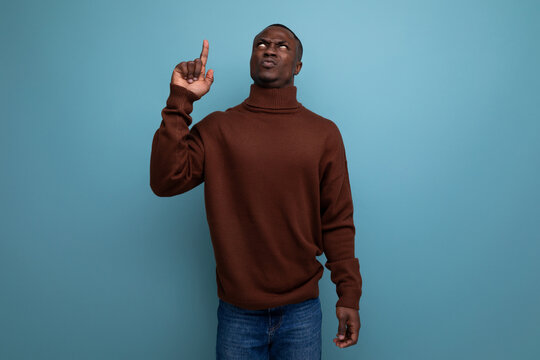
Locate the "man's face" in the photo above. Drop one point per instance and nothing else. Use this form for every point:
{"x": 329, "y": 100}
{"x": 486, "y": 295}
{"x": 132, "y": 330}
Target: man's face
{"x": 273, "y": 59}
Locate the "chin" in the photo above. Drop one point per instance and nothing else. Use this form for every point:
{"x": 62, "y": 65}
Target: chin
{"x": 268, "y": 79}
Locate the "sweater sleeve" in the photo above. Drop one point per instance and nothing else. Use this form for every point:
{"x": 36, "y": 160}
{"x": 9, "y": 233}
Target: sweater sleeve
{"x": 338, "y": 230}
{"x": 177, "y": 157}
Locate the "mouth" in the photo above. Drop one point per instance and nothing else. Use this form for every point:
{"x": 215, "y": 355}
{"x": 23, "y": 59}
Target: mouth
{"x": 268, "y": 63}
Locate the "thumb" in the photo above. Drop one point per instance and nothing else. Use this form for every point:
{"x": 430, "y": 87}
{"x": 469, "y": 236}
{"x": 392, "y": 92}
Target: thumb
{"x": 209, "y": 77}
{"x": 342, "y": 328}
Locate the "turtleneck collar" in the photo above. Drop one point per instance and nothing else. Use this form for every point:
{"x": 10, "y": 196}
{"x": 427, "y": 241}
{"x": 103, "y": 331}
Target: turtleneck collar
{"x": 272, "y": 98}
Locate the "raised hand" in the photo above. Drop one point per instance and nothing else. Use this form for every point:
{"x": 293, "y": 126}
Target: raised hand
{"x": 191, "y": 74}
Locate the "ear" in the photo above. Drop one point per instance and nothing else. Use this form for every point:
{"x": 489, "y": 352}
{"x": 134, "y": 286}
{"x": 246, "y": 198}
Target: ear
{"x": 298, "y": 67}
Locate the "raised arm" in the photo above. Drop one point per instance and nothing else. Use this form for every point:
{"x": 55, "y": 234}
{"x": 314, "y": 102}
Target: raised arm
{"x": 177, "y": 158}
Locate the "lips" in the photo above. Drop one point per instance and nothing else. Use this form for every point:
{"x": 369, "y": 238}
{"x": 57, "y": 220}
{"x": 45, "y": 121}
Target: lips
{"x": 268, "y": 63}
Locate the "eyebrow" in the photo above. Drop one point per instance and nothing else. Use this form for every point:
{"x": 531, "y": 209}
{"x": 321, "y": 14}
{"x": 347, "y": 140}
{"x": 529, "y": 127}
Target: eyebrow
{"x": 267, "y": 40}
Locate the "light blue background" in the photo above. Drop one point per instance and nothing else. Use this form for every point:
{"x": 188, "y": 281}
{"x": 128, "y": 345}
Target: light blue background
{"x": 438, "y": 105}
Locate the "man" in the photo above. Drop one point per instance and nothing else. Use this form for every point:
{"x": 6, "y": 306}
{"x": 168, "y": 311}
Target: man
{"x": 277, "y": 195}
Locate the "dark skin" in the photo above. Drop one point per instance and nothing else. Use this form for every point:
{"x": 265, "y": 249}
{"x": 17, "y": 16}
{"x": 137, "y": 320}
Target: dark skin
{"x": 278, "y": 47}
{"x": 274, "y": 61}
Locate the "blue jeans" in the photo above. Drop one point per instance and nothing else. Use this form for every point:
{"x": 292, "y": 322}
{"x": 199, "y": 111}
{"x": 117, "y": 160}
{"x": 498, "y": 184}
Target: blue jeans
{"x": 285, "y": 332}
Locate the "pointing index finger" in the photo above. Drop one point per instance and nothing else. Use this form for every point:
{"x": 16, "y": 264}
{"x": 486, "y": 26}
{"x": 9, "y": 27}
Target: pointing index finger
{"x": 204, "y": 52}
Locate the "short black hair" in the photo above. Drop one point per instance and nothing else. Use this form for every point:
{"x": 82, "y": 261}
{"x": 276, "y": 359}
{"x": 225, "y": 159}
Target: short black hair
{"x": 299, "y": 48}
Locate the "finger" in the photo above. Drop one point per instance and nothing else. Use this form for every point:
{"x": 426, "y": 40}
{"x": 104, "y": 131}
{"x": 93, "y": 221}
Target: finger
{"x": 209, "y": 77}
{"x": 345, "y": 343}
{"x": 341, "y": 343}
{"x": 178, "y": 69}
{"x": 183, "y": 67}
{"x": 204, "y": 52}
{"x": 346, "y": 336}
{"x": 354, "y": 328}
{"x": 342, "y": 328}
{"x": 191, "y": 69}
{"x": 197, "y": 71}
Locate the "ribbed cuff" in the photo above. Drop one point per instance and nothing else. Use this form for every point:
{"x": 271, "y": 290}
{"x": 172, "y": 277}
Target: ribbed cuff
{"x": 346, "y": 275}
{"x": 350, "y": 299}
{"x": 179, "y": 94}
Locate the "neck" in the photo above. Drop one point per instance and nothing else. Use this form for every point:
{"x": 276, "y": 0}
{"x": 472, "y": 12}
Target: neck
{"x": 272, "y": 98}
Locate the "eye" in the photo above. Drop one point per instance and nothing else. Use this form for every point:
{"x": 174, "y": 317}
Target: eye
{"x": 262, "y": 43}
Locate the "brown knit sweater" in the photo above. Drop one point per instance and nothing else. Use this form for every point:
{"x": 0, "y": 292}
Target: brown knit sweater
{"x": 277, "y": 194}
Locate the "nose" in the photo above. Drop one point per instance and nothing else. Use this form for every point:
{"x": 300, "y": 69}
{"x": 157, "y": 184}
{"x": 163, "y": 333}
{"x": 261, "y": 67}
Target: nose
{"x": 270, "y": 49}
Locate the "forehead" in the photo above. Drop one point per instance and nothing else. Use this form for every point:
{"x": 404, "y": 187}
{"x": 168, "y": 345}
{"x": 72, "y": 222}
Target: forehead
{"x": 275, "y": 33}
